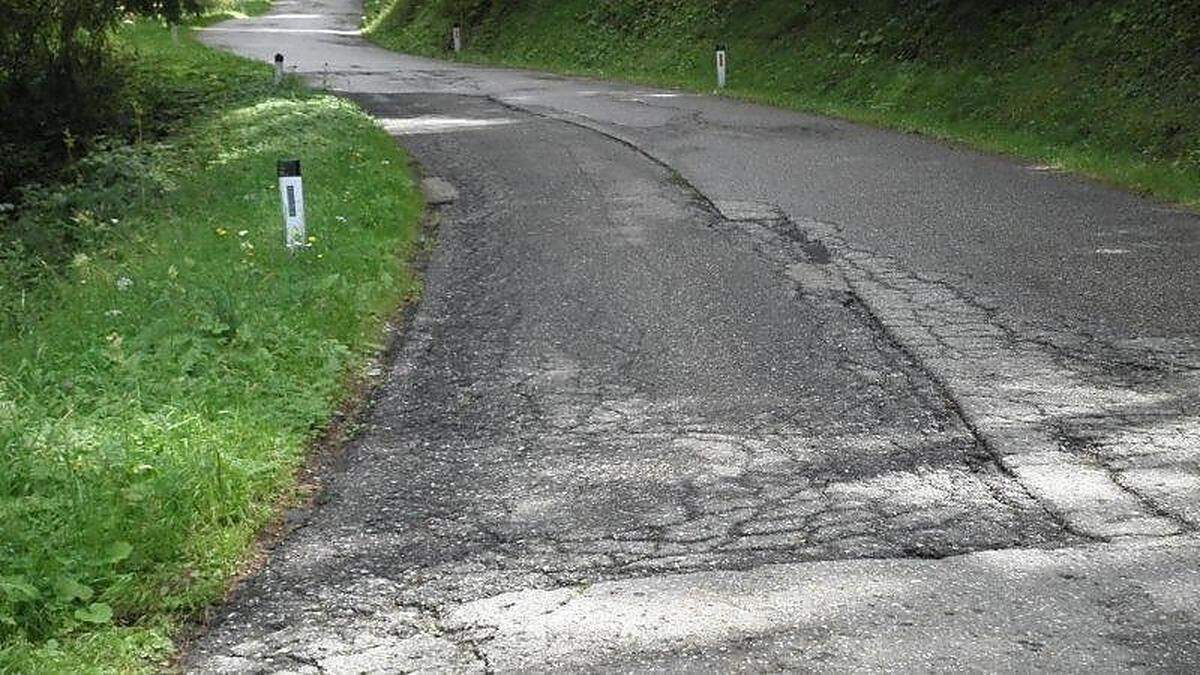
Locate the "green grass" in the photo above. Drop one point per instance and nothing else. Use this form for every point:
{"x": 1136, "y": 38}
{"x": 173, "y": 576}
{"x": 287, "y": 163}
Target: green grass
{"x": 1104, "y": 88}
{"x": 222, "y": 10}
{"x": 166, "y": 365}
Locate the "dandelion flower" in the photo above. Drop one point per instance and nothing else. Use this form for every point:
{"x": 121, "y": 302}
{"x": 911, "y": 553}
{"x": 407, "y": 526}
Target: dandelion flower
{"x": 242, "y": 233}
{"x": 221, "y": 232}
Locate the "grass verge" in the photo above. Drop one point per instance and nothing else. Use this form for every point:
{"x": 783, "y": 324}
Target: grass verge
{"x": 162, "y": 380}
{"x": 1105, "y": 89}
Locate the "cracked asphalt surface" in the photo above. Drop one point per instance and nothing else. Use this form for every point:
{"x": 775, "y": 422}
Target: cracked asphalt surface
{"x": 687, "y": 391}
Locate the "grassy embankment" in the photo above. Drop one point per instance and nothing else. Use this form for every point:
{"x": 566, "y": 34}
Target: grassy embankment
{"x": 165, "y": 364}
{"x": 1108, "y": 89}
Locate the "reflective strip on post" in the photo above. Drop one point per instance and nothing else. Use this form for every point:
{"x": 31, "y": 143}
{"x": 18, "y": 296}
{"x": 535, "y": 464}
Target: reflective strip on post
{"x": 721, "y": 66}
{"x": 291, "y": 196}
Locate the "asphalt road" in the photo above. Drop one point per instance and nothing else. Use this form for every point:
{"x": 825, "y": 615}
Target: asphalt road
{"x": 701, "y": 385}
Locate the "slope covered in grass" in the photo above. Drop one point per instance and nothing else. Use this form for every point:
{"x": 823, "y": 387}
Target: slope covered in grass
{"x": 1108, "y": 88}
{"x": 165, "y": 364}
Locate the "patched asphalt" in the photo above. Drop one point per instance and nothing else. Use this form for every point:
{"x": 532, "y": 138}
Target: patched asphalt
{"x": 605, "y": 379}
{"x": 698, "y": 385}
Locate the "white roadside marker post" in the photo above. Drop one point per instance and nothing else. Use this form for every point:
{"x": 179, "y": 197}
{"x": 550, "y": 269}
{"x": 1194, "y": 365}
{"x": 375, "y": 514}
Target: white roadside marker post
{"x": 291, "y": 195}
{"x": 174, "y": 33}
{"x": 278, "y": 68}
{"x": 720, "y": 66}
{"x": 456, "y": 37}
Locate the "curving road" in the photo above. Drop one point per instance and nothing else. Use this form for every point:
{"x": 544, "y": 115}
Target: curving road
{"x": 701, "y": 385}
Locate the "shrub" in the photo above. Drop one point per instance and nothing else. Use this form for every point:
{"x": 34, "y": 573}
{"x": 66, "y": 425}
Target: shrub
{"x": 59, "y": 82}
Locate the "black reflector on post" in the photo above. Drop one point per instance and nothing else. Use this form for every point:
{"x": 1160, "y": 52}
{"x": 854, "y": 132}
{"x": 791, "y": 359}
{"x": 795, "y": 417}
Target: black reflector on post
{"x": 288, "y": 168}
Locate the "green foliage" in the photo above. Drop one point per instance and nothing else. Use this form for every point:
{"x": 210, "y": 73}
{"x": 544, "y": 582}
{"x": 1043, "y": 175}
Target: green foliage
{"x": 1107, "y": 88}
{"x": 85, "y": 208}
{"x": 62, "y": 84}
{"x": 57, "y": 80}
{"x": 56, "y": 220}
{"x": 166, "y": 363}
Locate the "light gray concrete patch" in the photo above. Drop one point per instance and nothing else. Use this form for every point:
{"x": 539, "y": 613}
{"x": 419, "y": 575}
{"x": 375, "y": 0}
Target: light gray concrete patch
{"x": 1010, "y": 611}
{"x": 1177, "y": 488}
{"x": 733, "y": 209}
{"x": 438, "y": 191}
{"x": 419, "y": 653}
{"x": 817, "y": 277}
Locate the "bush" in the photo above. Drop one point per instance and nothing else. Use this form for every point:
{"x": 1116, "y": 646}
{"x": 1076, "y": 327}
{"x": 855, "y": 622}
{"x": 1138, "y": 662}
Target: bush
{"x": 59, "y": 82}
{"x": 50, "y": 211}
{"x": 56, "y": 220}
